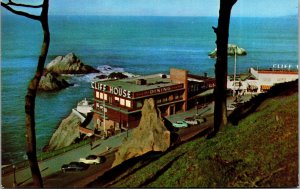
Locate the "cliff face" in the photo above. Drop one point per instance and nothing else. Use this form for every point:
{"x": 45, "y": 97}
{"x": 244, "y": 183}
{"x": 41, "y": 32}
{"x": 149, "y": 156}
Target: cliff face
{"x": 66, "y": 133}
{"x": 69, "y": 64}
{"x": 150, "y": 135}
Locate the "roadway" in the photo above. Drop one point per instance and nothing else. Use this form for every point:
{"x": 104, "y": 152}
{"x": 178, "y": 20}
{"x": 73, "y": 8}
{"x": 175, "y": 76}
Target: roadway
{"x": 50, "y": 168}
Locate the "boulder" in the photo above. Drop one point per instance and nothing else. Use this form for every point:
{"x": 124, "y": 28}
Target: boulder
{"x": 231, "y": 51}
{"x": 150, "y": 135}
{"x": 69, "y": 64}
{"x": 52, "y": 82}
{"x": 66, "y": 133}
{"x": 117, "y": 75}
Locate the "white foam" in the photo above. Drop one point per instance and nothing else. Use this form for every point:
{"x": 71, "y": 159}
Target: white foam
{"x": 104, "y": 70}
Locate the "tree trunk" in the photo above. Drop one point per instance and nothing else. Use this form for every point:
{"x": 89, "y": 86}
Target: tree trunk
{"x": 222, "y": 33}
{"x": 30, "y": 101}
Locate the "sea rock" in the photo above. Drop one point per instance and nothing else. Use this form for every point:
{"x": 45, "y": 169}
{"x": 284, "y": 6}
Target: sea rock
{"x": 117, "y": 75}
{"x": 150, "y": 135}
{"x": 69, "y": 64}
{"x": 231, "y": 51}
{"x": 66, "y": 133}
{"x": 101, "y": 76}
{"x": 52, "y": 82}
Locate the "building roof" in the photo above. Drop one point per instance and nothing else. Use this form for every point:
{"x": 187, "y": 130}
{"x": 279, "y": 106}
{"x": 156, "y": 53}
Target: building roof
{"x": 152, "y": 82}
{"x": 242, "y": 77}
{"x": 286, "y": 72}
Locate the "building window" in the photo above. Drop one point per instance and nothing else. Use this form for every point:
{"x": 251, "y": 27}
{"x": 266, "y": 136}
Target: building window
{"x": 176, "y": 96}
{"x": 110, "y": 99}
{"x": 158, "y": 101}
{"x": 122, "y": 101}
{"x": 128, "y": 103}
{"x": 101, "y": 95}
{"x": 165, "y": 99}
{"x": 139, "y": 104}
{"x": 97, "y": 94}
{"x": 117, "y": 99}
{"x": 105, "y": 96}
{"x": 171, "y": 98}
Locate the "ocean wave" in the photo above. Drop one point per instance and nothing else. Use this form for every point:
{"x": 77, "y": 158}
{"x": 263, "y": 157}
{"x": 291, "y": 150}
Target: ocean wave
{"x": 104, "y": 70}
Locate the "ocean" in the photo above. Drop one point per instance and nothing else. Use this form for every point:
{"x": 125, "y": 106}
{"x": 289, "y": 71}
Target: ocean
{"x": 138, "y": 45}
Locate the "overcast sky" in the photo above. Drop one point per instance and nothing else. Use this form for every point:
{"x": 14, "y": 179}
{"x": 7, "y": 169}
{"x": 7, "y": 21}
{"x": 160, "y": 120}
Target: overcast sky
{"x": 248, "y": 8}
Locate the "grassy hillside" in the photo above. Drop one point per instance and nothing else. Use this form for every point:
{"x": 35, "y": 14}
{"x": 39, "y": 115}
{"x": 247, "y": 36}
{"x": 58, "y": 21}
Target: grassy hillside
{"x": 261, "y": 151}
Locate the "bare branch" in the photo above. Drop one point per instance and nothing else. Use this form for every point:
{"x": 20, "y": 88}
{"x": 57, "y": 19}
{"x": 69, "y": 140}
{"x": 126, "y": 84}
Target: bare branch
{"x": 10, "y": 2}
{"x": 21, "y": 13}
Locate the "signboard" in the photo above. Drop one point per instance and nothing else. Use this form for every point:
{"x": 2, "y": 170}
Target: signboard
{"x": 113, "y": 90}
{"x": 157, "y": 90}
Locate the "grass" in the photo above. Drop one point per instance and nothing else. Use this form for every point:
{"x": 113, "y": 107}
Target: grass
{"x": 261, "y": 151}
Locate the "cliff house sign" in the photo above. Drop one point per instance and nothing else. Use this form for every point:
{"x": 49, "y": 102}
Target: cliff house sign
{"x": 113, "y": 90}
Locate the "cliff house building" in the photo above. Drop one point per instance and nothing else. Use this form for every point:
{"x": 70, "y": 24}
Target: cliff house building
{"x": 118, "y": 103}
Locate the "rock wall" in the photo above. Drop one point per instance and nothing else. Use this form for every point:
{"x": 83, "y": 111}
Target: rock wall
{"x": 150, "y": 135}
{"x": 66, "y": 133}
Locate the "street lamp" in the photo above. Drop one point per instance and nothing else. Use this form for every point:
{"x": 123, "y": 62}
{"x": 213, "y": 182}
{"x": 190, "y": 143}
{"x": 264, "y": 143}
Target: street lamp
{"x": 127, "y": 129}
{"x": 15, "y": 182}
{"x": 197, "y": 107}
{"x": 234, "y": 71}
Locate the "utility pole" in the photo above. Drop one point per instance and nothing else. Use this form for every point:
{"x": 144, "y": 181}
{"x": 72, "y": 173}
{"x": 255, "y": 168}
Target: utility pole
{"x": 197, "y": 108}
{"x": 234, "y": 71}
{"x": 104, "y": 126}
{"x": 127, "y": 129}
{"x": 15, "y": 182}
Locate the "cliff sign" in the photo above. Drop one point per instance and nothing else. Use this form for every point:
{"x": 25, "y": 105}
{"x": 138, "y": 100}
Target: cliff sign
{"x": 113, "y": 90}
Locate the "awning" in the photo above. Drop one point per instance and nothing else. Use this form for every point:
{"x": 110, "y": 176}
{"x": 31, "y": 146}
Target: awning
{"x": 265, "y": 87}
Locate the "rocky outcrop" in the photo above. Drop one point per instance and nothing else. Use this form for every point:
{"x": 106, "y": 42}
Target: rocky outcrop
{"x": 231, "y": 51}
{"x": 66, "y": 133}
{"x": 52, "y": 82}
{"x": 117, "y": 75}
{"x": 69, "y": 64}
{"x": 150, "y": 135}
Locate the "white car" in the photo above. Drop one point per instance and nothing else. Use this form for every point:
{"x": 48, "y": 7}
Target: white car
{"x": 92, "y": 159}
{"x": 191, "y": 121}
{"x": 230, "y": 107}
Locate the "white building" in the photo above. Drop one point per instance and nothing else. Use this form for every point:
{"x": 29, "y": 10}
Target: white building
{"x": 259, "y": 81}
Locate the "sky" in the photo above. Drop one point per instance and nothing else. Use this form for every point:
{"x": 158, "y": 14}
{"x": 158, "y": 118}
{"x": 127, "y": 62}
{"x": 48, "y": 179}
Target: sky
{"x": 243, "y": 8}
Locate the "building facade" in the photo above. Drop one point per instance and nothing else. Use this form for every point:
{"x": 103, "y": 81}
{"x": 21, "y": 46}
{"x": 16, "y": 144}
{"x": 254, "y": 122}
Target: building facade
{"x": 258, "y": 81}
{"x": 118, "y": 103}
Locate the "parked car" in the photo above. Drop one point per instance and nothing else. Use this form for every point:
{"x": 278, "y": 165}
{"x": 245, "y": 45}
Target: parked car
{"x": 191, "y": 121}
{"x": 92, "y": 159}
{"x": 74, "y": 166}
{"x": 180, "y": 124}
{"x": 231, "y": 107}
{"x": 200, "y": 119}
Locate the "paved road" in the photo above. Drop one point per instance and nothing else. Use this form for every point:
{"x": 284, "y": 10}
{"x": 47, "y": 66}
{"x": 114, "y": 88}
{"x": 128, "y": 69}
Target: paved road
{"x": 82, "y": 178}
{"x": 52, "y": 165}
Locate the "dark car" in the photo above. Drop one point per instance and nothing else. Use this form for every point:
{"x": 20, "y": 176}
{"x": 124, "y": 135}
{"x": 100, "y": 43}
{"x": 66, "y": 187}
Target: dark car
{"x": 74, "y": 166}
{"x": 102, "y": 159}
